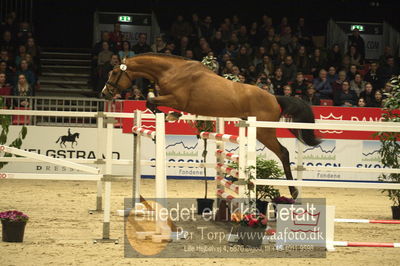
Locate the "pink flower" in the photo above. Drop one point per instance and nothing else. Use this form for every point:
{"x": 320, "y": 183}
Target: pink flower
{"x": 264, "y": 221}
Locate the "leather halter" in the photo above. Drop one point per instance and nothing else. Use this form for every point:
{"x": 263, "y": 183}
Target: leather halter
{"x": 115, "y": 85}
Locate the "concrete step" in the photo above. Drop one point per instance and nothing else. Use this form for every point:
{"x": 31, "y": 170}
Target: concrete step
{"x": 63, "y": 55}
{"x": 44, "y": 80}
{"x": 64, "y": 88}
{"x": 59, "y": 74}
{"x": 70, "y": 62}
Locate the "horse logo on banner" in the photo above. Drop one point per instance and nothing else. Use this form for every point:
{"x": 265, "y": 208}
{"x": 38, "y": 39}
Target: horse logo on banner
{"x": 68, "y": 138}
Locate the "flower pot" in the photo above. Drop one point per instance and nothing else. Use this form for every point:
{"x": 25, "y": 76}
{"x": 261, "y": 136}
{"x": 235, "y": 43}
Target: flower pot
{"x": 13, "y": 231}
{"x": 262, "y": 206}
{"x": 204, "y": 205}
{"x": 396, "y": 212}
{"x": 251, "y": 236}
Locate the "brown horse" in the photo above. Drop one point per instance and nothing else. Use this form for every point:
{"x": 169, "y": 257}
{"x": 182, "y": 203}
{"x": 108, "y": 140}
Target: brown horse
{"x": 189, "y": 86}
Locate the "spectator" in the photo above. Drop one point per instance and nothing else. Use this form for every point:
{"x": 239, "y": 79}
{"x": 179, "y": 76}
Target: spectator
{"x": 386, "y": 71}
{"x": 335, "y": 56}
{"x": 235, "y": 70}
{"x": 332, "y": 76}
{"x": 242, "y": 35}
{"x": 311, "y": 96}
{"x": 251, "y": 74}
{"x": 5, "y": 88}
{"x": 180, "y": 28}
{"x": 98, "y": 47}
{"x": 227, "y": 69}
{"x": 253, "y": 35}
{"x": 126, "y": 51}
{"x": 141, "y": 46}
{"x": 4, "y": 69}
{"x": 158, "y": 45}
{"x": 352, "y": 72}
{"x": 355, "y": 56}
{"x": 361, "y": 102}
{"x": 388, "y": 51}
{"x": 346, "y": 97}
{"x": 337, "y": 84}
{"x": 274, "y": 52}
{"x": 117, "y": 37}
{"x": 368, "y": 94}
{"x": 234, "y": 39}
{"x": 378, "y": 99}
{"x": 10, "y": 25}
{"x": 22, "y": 88}
{"x": 300, "y": 85}
{"x": 226, "y": 31}
{"x": 317, "y": 63}
{"x": 287, "y": 90}
{"x": 104, "y": 55}
{"x": 286, "y": 36}
{"x": 283, "y": 25}
{"x": 242, "y": 78}
{"x": 259, "y": 55}
{"x": 7, "y": 43}
{"x": 387, "y": 89}
{"x": 346, "y": 63}
{"x": 137, "y": 94}
{"x": 34, "y": 51}
{"x": 189, "y": 54}
{"x": 24, "y": 33}
{"x": 358, "y": 42}
{"x": 322, "y": 85}
{"x": 293, "y": 46}
{"x": 269, "y": 39}
{"x": 31, "y": 65}
{"x": 203, "y": 50}
{"x": 303, "y": 33}
{"x": 289, "y": 69}
{"x": 264, "y": 83}
{"x": 183, "y": 46}
{"x": 265, "y": 67}
{"x": 29, "y": 76}
{"x": 169, "y": 48}
{"x": 195, "y": 24}
{"x": 20, "y": 55}
{"x": 217, "y": 44}
{"x": 302, "y": 60}
{"x": 372, "y": 76}
{"x": 358, "y": 84}
{"x": 105, "y": 70}
{"x": 243, "y": 59}
{"x": 278, "y": 82}
{"x": 281, "y": 56}
{"x": 206, "y": 28}
{"x": 4, "y": 56}
{"x": 230, "y": 49}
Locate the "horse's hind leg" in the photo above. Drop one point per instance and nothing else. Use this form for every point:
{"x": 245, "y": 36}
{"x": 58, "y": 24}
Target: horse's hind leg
{"x": 267, "y": 137}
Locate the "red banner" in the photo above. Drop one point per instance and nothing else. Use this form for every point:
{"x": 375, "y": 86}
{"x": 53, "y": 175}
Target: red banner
{"x": 355, "y": 114}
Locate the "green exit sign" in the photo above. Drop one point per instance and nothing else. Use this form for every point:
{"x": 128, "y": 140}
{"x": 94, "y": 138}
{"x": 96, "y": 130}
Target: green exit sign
{"x": 125, "y": 19}
{"x": 359, "y": 27}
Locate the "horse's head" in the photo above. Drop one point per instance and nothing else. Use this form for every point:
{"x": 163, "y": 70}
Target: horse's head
{"x": 118, "y": 80}
{"x": 77, "y": 135}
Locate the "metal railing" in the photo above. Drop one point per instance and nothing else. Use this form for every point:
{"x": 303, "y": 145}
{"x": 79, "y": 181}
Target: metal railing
{"x": 57, "y": 104}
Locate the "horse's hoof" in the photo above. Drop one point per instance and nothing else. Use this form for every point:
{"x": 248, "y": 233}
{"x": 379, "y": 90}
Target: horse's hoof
{"x": 173, "y": 116}
{"x": 294, "y": 192}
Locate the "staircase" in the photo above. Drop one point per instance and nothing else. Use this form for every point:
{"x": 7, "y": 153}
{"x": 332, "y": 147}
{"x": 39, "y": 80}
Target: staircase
{"x": 65, "y": 72}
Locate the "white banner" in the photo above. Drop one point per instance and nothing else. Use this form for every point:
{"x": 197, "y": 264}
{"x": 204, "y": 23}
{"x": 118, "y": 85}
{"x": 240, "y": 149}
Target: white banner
{"x": 48, "y": 141}
{"x": 373, "y": 45}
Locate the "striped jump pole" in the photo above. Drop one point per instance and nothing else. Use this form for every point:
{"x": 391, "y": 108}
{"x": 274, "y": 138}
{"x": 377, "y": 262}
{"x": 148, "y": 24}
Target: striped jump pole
{"x": 144, "y": 132}
{"x": 227, "y": 170}
{"x": 221, "y": 193}
{"x": 227, "y": 155}
{"x": 228, "y": 184}
{"x": 366, "y": 221}
{"x": 366, "y": 244}
{"x": 220, "y": 137}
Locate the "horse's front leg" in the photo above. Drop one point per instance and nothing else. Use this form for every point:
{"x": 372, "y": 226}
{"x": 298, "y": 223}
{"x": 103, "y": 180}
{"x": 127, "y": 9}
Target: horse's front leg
{"x": 164, "y": 100}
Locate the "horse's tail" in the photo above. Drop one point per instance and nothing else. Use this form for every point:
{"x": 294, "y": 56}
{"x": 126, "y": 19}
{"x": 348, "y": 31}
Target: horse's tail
{"x": 299, "y": 111}
{"x": 58, "y": 140}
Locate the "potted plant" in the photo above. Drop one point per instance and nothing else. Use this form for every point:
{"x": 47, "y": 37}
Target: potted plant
{"x": 251, "y": 229}
{"x": 390, "y": 148}
{"x": 264, "y": 194}
{"x": 13, "y": 223}
{"x": 204, "y": 204}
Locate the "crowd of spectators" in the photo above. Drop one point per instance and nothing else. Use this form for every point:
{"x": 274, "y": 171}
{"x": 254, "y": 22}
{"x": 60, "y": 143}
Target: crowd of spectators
{"x": 19, "y": 58}
{"x": 278, "y": 57}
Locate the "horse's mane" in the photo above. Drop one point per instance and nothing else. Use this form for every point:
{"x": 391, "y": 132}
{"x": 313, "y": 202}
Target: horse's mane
{"x": 174, "y": 57}
{"x": 165, "y": 55}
